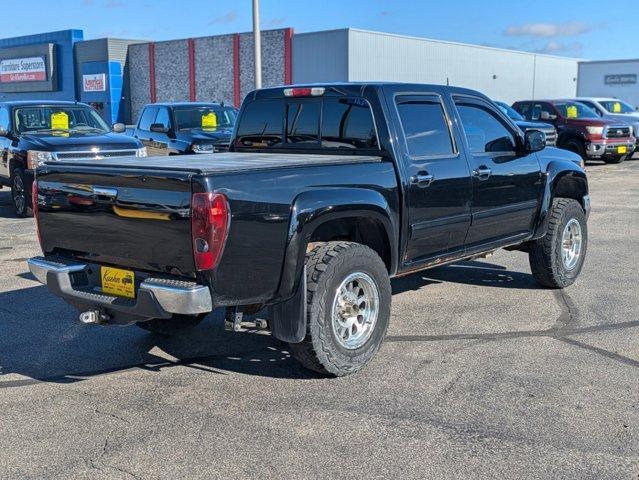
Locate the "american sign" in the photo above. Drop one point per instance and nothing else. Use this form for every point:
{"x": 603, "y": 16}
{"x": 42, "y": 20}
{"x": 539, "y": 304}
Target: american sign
{"x": 94, "y": 82}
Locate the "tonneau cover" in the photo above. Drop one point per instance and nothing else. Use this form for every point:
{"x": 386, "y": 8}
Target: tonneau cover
{"x": 221, "y": 162}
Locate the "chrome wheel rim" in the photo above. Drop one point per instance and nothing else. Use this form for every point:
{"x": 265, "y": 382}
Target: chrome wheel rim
{"x": 571, "y": 243}
{"x": 18, "y": 194}
{"x": 355, "y": 310}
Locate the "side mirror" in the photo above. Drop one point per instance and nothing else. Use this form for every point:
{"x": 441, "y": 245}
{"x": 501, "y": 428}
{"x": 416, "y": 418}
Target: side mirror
{"x": 547, "y": 116}
{"x": 535, "y": 140}
{"x": 118, "y": 128}
{"x": 159, "y": 128}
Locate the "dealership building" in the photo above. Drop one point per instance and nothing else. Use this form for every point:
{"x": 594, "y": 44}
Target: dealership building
{"x": 610, "y": 78}
{"x": 119, "y": 76}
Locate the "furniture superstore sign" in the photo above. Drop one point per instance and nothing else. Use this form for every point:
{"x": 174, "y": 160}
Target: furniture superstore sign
{"x": 30, "y": 69}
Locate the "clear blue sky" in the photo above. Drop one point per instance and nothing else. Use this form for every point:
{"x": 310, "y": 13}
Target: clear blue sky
{"x": 592, "y": 29}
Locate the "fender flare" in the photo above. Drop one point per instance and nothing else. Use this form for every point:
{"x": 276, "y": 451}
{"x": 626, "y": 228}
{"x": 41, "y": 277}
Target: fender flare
{"x": 556, "y": 173}
{"x": 310, "y": 210}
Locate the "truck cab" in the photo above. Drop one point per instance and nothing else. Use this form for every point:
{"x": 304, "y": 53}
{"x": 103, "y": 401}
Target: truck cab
{"x": 581, "y": 130}
{"x": 32, "y": 133}
{"x": 185, "y": 128}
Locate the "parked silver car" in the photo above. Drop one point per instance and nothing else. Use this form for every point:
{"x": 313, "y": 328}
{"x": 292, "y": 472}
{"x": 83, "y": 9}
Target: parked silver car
{"x": 613, "y": 109}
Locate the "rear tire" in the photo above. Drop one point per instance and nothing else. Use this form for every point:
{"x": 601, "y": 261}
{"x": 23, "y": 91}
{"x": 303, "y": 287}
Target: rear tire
{"x": 557, "y": 258}
{"x": 172, "y": 326}
{"x": 19, "y": 194}
{"x": 348, "y": 308}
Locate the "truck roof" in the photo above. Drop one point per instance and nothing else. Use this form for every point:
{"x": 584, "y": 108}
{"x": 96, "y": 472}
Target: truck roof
{"x": 221, "y": 162}
{"x": 357, "y": 88}
{"x": 27, "y": 103}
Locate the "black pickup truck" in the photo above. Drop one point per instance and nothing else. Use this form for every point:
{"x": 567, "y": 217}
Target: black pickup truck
{"x": 32, "y": 132}
{"x": 328, "y": 193}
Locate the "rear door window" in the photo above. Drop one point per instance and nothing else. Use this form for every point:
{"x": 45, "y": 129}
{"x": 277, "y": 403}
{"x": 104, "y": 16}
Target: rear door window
{"x": 425, "y": 126}
{"x": 147, "y": 118}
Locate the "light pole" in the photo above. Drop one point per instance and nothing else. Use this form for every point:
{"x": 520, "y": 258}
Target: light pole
{"x": 257, "y": 44}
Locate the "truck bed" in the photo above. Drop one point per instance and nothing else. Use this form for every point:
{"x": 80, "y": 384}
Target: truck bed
{"x": 215, "y": 163}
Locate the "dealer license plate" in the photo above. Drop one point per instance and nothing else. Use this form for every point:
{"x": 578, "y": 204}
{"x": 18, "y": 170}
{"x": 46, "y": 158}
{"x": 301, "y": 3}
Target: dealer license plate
{"x": 622, "y": 149}
{"x": 118, "y": 282}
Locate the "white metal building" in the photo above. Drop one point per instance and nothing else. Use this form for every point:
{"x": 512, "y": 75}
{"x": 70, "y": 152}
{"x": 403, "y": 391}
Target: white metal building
{"x": 610, "y": 78}
{"x": 360, "y": 55}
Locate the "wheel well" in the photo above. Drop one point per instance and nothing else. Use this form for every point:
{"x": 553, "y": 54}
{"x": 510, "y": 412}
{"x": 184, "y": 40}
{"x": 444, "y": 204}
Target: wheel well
{"x": 367, "y": 231}
{"x": 571, "y": 186}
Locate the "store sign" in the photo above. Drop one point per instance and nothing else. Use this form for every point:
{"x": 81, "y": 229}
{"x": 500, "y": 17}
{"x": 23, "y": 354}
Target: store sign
{"x": 624, "y": 79}
{"x": 18, "y": 70}
{"x": 95, "y": 82}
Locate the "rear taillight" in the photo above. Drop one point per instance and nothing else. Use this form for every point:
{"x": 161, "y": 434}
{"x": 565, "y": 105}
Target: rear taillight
{"x": 304, "y": 92}
{"x": 36, "y": 210}
{"x": 209, "y": 226}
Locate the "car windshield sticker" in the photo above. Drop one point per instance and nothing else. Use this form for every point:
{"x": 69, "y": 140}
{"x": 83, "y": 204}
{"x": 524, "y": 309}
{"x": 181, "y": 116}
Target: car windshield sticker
{"x": 571, "y": 111}
{"x": 209, "y": 120}
{"x": 616, "y": 107}
{"x": 59, "y": 121}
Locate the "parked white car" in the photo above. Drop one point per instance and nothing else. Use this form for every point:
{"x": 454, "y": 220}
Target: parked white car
{"x": 613, "y": 109}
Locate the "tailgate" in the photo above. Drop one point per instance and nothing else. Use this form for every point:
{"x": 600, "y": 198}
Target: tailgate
{"x": 132, "y": 218}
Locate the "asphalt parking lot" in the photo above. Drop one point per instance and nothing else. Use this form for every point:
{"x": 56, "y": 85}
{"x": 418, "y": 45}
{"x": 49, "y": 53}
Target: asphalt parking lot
{"x": 483, "y": 375}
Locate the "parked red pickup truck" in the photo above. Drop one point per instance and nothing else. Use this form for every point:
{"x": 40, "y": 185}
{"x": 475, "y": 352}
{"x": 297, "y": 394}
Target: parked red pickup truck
{"x": 581, "y": 130}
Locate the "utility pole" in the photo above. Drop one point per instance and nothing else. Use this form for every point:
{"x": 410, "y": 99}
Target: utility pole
{"x": 257, "y": 44}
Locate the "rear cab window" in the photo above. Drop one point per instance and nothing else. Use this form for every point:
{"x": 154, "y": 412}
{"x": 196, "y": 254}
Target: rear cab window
{"x": 327, "y": 124}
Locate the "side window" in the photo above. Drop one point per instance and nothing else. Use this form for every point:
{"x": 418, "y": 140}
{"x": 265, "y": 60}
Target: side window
{"x": 302, "y": 123}
{"x": 348, "y": 123}
{"x": 147, "y": 118}
{"x": 592, "y": 107}
{"x": 163, "y": 117}
{"x": 425, "y": 126}
{"x": 484, "y": 130}
{"x": 4, "y": 119}
{"x": 261, "y": 124}
{"x": 523, "y": 109}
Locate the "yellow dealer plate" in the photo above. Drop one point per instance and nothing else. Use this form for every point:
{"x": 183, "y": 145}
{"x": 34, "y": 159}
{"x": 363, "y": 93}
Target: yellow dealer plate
{"x": 622, "y": 149}
{"x": 115, "y": 281}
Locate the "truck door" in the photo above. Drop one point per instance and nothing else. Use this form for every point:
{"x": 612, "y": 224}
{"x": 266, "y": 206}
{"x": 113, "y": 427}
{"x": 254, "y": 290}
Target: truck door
{"x": 439, "y": 187}
{"x": 506, "y": 183}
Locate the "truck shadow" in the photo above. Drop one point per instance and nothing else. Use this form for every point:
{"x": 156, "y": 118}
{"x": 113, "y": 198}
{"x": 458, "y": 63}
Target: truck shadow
{"x": 472, "y": 272}
{"x": 42, "y": 341}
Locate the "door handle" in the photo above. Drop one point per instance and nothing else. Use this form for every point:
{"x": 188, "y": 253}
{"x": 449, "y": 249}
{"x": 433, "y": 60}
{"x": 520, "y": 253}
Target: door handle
{"x": 422, "y": 180}
{"x": 483, "y": 172}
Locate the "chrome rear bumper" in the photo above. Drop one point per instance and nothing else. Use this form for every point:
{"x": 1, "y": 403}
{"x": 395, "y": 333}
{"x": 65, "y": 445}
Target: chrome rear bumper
{"x": 155, "y": 297}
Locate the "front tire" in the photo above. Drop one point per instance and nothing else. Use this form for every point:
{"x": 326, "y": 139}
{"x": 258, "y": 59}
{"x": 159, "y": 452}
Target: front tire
{"x": 557, "y": 258}
{"x": 19, "y": 194}
{"x": 175, "y": 325}
{"x": 348, "y": 308}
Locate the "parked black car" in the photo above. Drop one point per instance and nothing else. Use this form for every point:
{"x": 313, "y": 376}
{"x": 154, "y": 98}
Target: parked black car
{"x": 548, "y": 129}
{"x": 32, "y": 132}
{"x": 185, "y": 128}
{"x": 329, "y": 192}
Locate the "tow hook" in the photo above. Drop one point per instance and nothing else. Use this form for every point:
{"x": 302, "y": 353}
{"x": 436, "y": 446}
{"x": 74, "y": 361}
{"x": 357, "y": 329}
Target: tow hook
{"x": 93, "y": 316}
{"x": 234, "y": 321}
